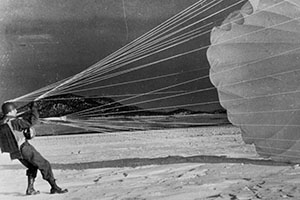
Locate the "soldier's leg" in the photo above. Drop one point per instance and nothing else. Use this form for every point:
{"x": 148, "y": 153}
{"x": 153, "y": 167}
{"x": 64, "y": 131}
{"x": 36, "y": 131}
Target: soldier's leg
{"x": 31, "y": 175}
{"x": 31, "y": 169}
{"x": 36, "y": 159}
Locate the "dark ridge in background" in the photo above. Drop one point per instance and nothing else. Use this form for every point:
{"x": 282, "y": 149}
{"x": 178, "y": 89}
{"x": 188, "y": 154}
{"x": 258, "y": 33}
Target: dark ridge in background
{"x": 61, "y": 105}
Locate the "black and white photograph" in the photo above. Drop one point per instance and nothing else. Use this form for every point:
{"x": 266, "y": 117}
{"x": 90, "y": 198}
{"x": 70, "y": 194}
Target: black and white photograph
{"x": 150, "y": 99}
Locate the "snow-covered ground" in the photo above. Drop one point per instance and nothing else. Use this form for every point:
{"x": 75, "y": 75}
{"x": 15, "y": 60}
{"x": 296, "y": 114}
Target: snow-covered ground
{"x": 180, "y": 164}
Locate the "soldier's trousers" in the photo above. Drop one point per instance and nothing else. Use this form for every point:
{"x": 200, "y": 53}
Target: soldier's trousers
{"x": 34, "y": 161}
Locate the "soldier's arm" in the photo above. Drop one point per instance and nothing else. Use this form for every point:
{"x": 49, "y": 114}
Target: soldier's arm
{"x": 21, "y": 124}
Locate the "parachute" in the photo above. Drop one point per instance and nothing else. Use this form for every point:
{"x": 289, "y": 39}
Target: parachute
{"x": 255, "y": 66}
{"x": 254, "y": 58}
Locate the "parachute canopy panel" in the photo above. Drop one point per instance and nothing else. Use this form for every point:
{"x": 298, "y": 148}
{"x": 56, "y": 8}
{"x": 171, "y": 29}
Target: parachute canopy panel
{"x": 255, "y": 65}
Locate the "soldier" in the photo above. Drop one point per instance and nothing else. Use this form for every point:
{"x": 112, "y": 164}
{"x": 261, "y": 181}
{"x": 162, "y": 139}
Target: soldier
{"x": 14, "y": 135}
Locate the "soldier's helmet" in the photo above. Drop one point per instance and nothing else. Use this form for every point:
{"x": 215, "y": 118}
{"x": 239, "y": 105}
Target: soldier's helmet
{"x": 7, "y": 107}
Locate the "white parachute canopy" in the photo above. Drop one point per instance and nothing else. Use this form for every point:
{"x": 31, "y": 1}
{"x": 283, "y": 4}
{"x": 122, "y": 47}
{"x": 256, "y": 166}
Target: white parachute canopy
{"x": 255, "y": 66}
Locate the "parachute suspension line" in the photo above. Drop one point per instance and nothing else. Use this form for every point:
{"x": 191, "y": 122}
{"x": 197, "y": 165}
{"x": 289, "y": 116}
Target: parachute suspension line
{"x": 33, "y": 95}
{"x": 135, "y": 42}
{"x": 108, "y": 122}
{"x": 261, "y": 30}
{"x": 113, "y": 69}
{"x": 139, "y": 67}
{"x": 147, "y": 93}
{"x": 139, "y": 80}
{"x": 206, "y": 89}
{"x": 99, "y": 78}
{"x": 156, "y": 93}
{"x": 109, "y": 76}
{"x": 94, "y": 114}
{"x": 190, "y": 105}
{"x": 115, "y": 95}
{"x": 59, "y": 83}
{"x": 199, "y": 49}
{"x": 110, "y": 69}
{"x": 66, "y": 83}
{"x": 165, "y": 48}
{"x": 148, "y": 39}
{"x": 213, "y": 102}
{"x": 147, "y": 35}
{"x": 172, "y": 26}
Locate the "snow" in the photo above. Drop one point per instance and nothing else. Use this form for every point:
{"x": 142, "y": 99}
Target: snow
{"x": 176, "y": 164}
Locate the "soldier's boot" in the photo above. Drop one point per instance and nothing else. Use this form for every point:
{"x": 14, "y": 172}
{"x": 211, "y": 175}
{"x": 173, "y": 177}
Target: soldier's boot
{"x": 30, "y": 189}
{"x": 55, "y": 189}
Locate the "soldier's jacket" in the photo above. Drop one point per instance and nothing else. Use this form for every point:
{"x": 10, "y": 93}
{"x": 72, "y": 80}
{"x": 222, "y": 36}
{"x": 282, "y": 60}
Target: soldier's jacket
{"x": 11, "y": 132}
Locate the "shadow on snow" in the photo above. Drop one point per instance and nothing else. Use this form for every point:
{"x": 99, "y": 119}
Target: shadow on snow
{"x": 135, "y": 162}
